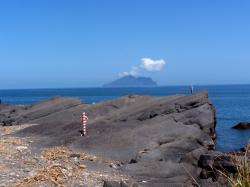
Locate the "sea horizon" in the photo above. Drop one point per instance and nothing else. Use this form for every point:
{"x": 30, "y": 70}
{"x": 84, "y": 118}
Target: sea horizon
{"x": 89, "y": 87}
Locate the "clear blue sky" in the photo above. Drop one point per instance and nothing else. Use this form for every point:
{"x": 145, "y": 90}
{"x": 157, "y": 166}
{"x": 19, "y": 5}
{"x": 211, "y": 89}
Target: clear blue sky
{"x": 85, "y": 43}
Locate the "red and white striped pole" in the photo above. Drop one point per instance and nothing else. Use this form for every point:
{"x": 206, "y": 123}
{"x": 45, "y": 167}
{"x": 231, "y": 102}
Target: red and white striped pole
{"x": 84, "y": 120}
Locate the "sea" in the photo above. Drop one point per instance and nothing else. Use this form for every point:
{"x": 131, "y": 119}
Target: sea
{"x": 232, "y": 103}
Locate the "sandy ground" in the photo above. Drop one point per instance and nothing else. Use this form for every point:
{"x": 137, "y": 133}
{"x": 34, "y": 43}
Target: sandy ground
{"x": 22, "y": 165}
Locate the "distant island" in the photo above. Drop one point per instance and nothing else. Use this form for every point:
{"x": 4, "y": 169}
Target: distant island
{"x": 131, "y": 81}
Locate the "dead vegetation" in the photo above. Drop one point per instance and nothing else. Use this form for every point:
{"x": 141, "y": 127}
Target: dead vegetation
{"x": 242, "y": 163}
{"x": 9, "y": 146}
{"x": 6, "y": 130}
{"x": 55, "y": 173}
{"x": 56, "y": 153}
{"x": 61, "y": 165}
{"x": 2, "y": 166}
{"x": 56, "y": 166}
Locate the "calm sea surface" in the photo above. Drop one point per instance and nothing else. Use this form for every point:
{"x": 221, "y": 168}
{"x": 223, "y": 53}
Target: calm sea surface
{"x": 232, "y": 104}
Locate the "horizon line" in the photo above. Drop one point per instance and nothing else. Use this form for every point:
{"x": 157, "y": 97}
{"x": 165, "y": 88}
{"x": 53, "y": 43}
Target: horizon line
{"x": 158, "y": 86}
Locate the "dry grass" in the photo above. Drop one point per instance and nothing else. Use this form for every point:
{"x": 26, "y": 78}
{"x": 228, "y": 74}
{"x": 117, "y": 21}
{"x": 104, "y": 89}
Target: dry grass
{"x": 53, "y": 173}
{"x": 3, "y": 167}
{"x": 7, "y": 143}
{"x": 63, "y": 153}
{"x": 6, "y": 130}
{"x": 85, "y": 156}
{"x": 56, "y": 153}
{"x": 66, "y": 169}
{"x": 29, "y": 163}
{"x": 13, "y": 141}
{"x": 242, "y": 177}
{"x": 56, "y": 174}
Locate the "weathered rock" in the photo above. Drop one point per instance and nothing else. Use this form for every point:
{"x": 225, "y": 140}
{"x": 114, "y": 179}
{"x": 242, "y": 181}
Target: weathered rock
{"x": 111, "y": 184}
{"x": 206, "y": 174}
{"x": 242, "y": 126}
{"x": 243, "y": 149}
{"x": 14, "y": 123}
{"x": 21, "y": 148}
{"x": 225, "y": 163}
{"x": 211, "y": 164}
{"x": 160, "y": 135}
{"x": 8, "y": 122}
{"x": 75, "y": 155}
{"x": 147, "y": 115}
{"x": 206, "y": 162}
{"x": 119, "y": 184}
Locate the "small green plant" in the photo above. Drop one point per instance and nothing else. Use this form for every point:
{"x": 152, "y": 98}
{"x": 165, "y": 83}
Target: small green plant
{"x": 242, "y": 177}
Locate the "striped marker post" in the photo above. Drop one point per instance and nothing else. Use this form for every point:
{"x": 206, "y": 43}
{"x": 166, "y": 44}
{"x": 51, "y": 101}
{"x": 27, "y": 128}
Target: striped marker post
{"x": 84, "y": 120}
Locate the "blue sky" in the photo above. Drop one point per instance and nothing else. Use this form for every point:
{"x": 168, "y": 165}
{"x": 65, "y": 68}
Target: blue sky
{"x": 86, "y": 43}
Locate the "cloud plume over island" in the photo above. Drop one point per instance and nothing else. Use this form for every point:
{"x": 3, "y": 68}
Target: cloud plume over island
{"x": 147, "y": 64}
{"x": 152, "y": 65}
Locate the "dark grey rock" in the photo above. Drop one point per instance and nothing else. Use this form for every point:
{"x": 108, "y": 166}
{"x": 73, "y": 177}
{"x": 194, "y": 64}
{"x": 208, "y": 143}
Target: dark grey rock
{"x": 119, "y": 184}
{"x": 147, "y": 115}
{"x": 111, "y": 184}
{"x": 14, "y": 123}
{"x": 212, "y": 163}
{"x": 242, "y": 126}
{"x": 75, "y": 155}
{"x": 8, "y": 122}
{"x": 243, "y": 149}
{"x": 155, "y": 137}
{"x": 225, "y": 164}
{"x": 206, "y": 162}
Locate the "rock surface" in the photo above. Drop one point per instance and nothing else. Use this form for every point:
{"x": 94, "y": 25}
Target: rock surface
{"x": 157, "y": 141}
{"x": 242, "y": 126}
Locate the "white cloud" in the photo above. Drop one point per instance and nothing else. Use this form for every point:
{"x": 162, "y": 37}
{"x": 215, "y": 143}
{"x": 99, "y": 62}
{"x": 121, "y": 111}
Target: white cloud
{"x": 134, "y": 71}
{"x": 152, "y": 65}
{"x": 147, "y": 64}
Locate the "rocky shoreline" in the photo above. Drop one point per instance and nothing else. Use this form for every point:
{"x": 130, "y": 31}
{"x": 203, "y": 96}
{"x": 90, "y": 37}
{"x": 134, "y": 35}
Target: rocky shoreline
{"x": 132, "y": 141}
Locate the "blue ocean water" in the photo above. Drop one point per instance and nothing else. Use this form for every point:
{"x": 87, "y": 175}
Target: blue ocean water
{"x": 232, "y": 104}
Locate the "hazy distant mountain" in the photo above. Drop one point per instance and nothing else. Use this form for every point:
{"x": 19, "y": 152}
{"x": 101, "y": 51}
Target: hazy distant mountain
{"x": 131, "y": 81}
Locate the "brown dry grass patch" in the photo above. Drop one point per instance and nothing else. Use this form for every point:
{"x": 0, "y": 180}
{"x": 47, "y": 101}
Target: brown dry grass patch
{"x": 12, "y": 141}
{"x": 6, "y": 130}
{"x": 53, "y": 173}
{"x": 242, "y": 162}
{"x": 3, "y": 167}
{"x": 62, "y": 153}
{"x": 7, "y": 146}
{"x": 85, "y": 156}
{"x": 56, "y": 174}
{"x": 56, "y": 153}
